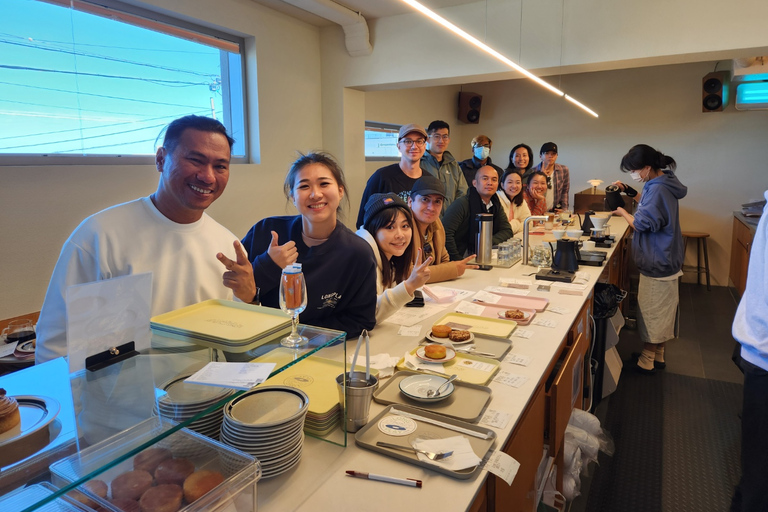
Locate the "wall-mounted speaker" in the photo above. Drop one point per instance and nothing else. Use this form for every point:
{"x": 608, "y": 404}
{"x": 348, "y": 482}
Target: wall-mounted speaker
{"x": 714, "y": 91}
{"x": 469, "y": 107}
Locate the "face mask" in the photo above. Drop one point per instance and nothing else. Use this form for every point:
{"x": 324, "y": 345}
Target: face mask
{"x": 636, "y": 176}
{"x": 482, "y": 152}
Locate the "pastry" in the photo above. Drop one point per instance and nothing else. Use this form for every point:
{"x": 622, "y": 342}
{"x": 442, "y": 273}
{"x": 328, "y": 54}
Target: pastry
{"x": 163, "y": 498}
{"x": 514, "y": 314}
{"x": 97, "y": 487}
{"x": 434, "y": 351}
{"x": 9, "y": 412}
{"x": 199, "y": 483}
{"x": 149, "y": 459}
{"x": 131, "y": 484}
{"x": 174, "y": 471}
{"x": 440, "y": 331}
{"x": 459, "y": 335}
{"x": 125, "y": 505}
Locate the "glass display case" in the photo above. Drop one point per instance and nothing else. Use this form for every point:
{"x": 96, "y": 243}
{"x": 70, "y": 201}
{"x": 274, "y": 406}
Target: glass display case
{"x": 100, "y": 406}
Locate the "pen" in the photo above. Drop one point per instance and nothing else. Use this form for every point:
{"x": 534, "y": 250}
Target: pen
{"x": 381, "y": 478}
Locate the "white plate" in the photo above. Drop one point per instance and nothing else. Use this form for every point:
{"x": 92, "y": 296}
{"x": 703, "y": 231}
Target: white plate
{"x": 417, "y": 386}
{"x": 37, "y": 413}
{"x": 26, "y": 347}
{"x": 448, "y": 340}
{"x": 449, "y": 354}
{"x": 267, "y": 406}
{"x": 526, "y": 316}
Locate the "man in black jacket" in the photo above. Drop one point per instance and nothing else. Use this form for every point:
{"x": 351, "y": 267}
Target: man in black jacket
{"x": 459, "y": 220}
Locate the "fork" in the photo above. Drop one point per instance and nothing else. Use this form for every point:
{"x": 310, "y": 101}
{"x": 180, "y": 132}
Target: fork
{"x": 410, "y": 449}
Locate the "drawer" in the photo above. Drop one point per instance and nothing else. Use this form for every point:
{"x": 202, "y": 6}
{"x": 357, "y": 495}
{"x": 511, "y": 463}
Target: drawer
{"x": 565, "y": 391}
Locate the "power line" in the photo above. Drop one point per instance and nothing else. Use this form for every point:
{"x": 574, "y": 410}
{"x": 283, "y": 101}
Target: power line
{"x": 106, "y": 57}
{"x": 99, "y": 75}
{"x": 15, "y": 102}
{"x": 112, "y": 46}
{"x": 85, "y": 138}
{"x": 99, "y": 95}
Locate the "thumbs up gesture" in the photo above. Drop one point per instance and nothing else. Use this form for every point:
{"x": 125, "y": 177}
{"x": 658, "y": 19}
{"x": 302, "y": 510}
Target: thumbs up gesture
{"x": 282, "y": 255}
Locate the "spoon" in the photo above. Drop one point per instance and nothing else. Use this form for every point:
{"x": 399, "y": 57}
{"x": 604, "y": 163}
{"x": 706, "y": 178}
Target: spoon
{"x": 432, "y": 394}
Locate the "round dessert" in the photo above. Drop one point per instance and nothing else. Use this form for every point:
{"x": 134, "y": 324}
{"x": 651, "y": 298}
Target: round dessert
{"x": 440, "y": 331}
{"x": 200, "y": 482}
{"x": 434, "y": 351}
{"x": 97, "y": 487}
{"x": 149, "y": 459}
{"x": 162, "y": 498}
{"x": 9, "y": 412}
{"x": 174, "y": 471}
{"x": 125, "y": 505}
{"x": 514, "y": 314}
{"x": 457, "y": 335}
{"x": 131, "y": 484}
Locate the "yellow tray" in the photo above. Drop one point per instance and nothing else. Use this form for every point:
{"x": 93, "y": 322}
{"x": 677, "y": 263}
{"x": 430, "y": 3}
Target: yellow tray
{"x": 224, "y": 321}
{"x": 460, "y": 365}
{"x": 315, "y": 376}
{"x": 493, "y": 327}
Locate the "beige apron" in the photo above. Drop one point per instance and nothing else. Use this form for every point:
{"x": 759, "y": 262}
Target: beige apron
{"x": 657, "y": 302}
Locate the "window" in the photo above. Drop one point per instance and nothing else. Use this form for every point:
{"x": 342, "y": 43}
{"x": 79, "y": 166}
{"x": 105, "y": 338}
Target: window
{"x": 80, "y": 79}
{"x": 381, "y": 141}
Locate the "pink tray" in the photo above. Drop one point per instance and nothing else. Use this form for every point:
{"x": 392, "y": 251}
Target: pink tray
{"x": 492, "y": 311}
{"x": 521, "y": 302}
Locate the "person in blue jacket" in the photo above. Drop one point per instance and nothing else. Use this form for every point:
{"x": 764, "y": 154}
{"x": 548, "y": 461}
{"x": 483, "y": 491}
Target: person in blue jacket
{"x": 658, "y": 249}
{"x": 339, "y": 268}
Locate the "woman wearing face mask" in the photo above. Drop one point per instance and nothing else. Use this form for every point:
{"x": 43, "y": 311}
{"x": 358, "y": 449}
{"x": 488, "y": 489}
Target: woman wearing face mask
{"x": 658, "y": 249}
{"x": 388, "y": 229}
{"x": 339, "y": 269}
{"x": 521, "y": 160}
{"x": 535, "y": 193}
{"x": 513, "y": 200}
{"x": 481, "y": 150}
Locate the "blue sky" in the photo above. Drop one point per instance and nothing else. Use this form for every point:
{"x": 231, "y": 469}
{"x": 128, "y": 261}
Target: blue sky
{"x": 77, "y": 83}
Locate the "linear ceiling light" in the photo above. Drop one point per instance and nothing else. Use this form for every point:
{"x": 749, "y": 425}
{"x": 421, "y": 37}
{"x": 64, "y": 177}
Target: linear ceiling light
{"x": 456, "y": 30}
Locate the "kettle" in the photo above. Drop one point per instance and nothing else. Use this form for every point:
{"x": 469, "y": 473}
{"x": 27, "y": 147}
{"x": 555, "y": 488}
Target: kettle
{"x": 613, "y": 199}
{"x": 567, "y": 256}
{"x": 586, "y": 225}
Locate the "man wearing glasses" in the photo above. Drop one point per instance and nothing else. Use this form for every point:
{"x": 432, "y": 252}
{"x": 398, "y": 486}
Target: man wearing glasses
{"x": 441, "y": 164}
{"x": 426, "y": 202}
{"x": 481, "y": 150}
{"x": 558, "y": 178}
{"x": 459, "y": 221}
{"x": 398, "y": 178}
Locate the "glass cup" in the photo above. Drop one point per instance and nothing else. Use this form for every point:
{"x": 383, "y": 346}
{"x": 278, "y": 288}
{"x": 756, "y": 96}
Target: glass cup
{"x": 293, "y": 300}
{"x": 19, "y": 331}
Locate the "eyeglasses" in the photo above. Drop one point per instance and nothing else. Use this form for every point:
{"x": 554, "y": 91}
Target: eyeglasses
{"x": 482, "y": 146}
{"x": 440, "y": 137}
{"x": 549, "y": 181}
{"x": 410, "y": 142}
{"x": 427, "y": 250}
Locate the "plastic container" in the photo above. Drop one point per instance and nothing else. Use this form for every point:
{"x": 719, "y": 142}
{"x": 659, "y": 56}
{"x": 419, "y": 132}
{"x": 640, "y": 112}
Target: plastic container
{"x": 241, "y": 471}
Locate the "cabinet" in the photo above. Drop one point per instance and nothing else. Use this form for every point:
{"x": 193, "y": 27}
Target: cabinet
{"x": 741, "y": 243}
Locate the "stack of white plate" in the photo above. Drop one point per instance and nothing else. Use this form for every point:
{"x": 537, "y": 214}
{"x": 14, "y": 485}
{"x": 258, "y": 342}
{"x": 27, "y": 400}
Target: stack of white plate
{"x": 180, "y": 401}
{"x": 267, "y": 423}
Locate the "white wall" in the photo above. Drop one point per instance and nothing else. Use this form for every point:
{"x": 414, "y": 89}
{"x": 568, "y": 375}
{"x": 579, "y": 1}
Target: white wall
{"x": 722, "y": 157}
{"x": 41, "y": 205}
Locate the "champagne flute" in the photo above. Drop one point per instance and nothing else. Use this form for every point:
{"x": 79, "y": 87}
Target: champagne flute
{"x": 293, "y": 300}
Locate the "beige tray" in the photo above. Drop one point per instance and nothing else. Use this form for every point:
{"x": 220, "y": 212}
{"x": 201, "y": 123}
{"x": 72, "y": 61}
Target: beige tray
{"x": 466, "y": 403}
{"x": 493, "y": 327}
{"x": 315, "y": 376}
{"x": 370, "y": 434}
{"x": 458, "y": 366}
{"x": 226, "y": 321}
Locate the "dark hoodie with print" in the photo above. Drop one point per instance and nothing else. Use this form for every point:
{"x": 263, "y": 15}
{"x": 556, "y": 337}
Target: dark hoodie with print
{"x": 658, "y": 240}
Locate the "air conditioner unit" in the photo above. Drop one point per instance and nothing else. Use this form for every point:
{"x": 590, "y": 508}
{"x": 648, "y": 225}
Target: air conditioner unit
{"x": 750, "y": 77}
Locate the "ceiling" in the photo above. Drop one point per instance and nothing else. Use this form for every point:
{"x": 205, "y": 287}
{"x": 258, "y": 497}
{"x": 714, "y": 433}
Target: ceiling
{"x": 370, "y": 9}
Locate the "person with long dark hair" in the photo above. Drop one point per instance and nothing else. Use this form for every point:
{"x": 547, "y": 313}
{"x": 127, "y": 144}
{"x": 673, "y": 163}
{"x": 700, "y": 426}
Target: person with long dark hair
{"x": 521, "y": 160}
{"x": 388, "y": 229}
{"x": 339, "y": 269}
{"x": 657, "y": 246}
{"x": 513, "y": 199}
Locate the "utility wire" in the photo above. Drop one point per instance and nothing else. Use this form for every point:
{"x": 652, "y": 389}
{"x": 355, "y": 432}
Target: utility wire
{"x": 111, "y": 46}
{"x": 99, "y": 75}
{"x": 85, "y": 138}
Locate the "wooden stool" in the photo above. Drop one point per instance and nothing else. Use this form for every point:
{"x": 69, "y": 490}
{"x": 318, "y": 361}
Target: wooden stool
{"x": 701, "y": 242}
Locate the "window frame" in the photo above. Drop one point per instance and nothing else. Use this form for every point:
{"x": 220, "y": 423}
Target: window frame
{"x": 150, "y": 20}
{"x": 384, "y": 127}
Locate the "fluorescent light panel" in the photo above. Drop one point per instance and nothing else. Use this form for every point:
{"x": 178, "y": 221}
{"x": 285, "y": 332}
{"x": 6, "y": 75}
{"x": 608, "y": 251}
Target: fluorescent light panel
{"x": 459, "y": 32}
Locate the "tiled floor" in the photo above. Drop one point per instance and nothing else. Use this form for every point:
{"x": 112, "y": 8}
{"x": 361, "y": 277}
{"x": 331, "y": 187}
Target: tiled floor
{"x": 703, "y": 349}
